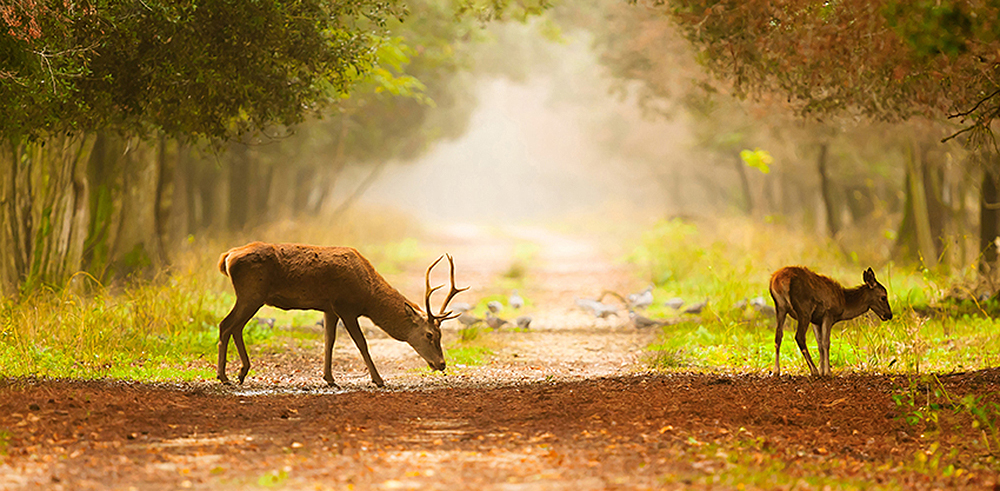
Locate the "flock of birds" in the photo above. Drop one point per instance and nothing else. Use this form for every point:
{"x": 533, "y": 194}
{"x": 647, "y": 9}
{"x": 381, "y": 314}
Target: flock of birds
{"x": 601, "y": 309}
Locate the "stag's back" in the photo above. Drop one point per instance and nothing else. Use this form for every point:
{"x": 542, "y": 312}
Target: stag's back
{"x": 297, "y": 276}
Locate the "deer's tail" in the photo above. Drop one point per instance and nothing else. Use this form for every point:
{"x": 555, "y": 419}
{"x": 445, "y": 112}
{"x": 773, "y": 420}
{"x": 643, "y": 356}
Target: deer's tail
{"x": 223, "y": 267}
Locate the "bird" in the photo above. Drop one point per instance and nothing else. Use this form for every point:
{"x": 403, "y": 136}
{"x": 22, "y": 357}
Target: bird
{"x": 674, "y": 303}
{"x": 599, "y": 309}
{"x": 742, "y": 304}
{"x": 642, "y": 299}
{"x": 643, "y": 322}
{"x": 267, "y": 321}
{"x": 494, "y": 306}
{"x": 696, "y": 308}
{"x": 523, "y": 322}
{"x": 515, "y": 300}
{"x": 468, "y": 320}
{"x": 762, "y": 306}
{"x": 494, "y": 322}
{"x": 461, "y": 307}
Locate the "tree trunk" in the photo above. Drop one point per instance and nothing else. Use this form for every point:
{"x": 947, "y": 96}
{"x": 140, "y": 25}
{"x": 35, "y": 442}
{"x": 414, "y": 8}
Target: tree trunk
{"x": 741, "y": 170}
{"x": 989, "y": 219}
{"x": 826, "y": 189}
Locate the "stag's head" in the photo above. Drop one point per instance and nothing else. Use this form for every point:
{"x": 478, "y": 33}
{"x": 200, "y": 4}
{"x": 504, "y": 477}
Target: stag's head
{"x": 878, "y": 297}
{"x": 426, "y": 338}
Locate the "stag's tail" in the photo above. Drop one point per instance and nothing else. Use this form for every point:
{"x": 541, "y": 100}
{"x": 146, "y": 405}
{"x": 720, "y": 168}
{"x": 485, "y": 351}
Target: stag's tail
{"x": 223, "y": 267}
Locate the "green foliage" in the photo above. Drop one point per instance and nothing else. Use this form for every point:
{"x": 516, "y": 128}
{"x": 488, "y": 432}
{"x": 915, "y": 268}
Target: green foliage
{"x": 757, "y": 159}
{"x": 208, "y": 67}
{"x": 926, "y": 403}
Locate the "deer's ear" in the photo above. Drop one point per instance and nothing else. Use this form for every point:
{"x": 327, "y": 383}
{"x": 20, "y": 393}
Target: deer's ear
{"x": 869, "y": 277}
{"x": 412, "y": 312}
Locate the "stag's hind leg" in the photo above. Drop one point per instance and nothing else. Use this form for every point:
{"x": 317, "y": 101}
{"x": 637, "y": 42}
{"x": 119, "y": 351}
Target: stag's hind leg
{"x": 803, "y": 321}
{"x": 232, "y": 326}
{"x": 330, "y": 320}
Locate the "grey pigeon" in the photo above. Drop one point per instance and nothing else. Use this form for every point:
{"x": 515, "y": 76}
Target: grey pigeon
{"x": 494, "y": 322}
{"x": 494, "y": 306}
{"x": 468, "y": 320}
{"x": 599, "y": 309}
{"x": 642, "y": 299}
{"x": 267, "y": 321}
{"x": 674, "y": 303}
{"x": 762, "y": 306}
{"x": 523, "y": 322}
{"x": 696, "y": 308}
{"x": 461, "y": 307}
{"x": 643, "y": 322}
{"x": 515, "y": 300}
{"x": 742, "y": 304}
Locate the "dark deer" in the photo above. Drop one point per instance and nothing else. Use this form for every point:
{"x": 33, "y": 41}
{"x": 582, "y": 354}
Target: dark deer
{"x": 337, "y": 281}
{"x": 818, "y": 300}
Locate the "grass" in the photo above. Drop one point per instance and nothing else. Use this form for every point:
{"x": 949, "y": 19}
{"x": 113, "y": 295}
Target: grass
{"x": 731, "y": 262}
{"x": 167, "y": 329}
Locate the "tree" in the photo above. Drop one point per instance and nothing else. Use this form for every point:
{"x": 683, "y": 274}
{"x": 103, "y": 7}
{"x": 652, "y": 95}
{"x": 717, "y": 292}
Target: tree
{"x": 887, "y": 60}
{"x": 216, "y": 69}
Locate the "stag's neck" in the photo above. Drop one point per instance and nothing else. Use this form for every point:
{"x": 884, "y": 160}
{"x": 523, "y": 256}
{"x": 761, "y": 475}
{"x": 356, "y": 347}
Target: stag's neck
{"x": 854, "y": 302}
{"x": 388, "y": 312}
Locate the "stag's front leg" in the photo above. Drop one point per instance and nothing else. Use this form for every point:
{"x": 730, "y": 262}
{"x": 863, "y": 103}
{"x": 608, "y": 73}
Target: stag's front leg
{"x": 330, "y": 320}
{"x": 351, "y": 323}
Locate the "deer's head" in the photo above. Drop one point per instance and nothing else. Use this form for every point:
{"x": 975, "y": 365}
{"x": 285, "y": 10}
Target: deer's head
{"x": 425, "y": 338}
{"x": 878, "y": 297}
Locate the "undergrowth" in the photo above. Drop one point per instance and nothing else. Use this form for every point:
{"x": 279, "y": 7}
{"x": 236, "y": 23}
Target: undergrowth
{"x": 167, "y": 328}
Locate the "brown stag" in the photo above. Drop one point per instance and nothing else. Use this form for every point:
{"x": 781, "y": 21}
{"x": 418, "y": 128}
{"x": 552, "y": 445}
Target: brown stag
{"x": 337, "y": 281}
{"x": 818, "y": 300}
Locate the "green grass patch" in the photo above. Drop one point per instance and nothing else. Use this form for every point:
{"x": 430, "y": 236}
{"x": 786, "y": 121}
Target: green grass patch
{"x": 731, "y": 263}
{"x": 468, "y": 355}
{"x": 162, "y": 331}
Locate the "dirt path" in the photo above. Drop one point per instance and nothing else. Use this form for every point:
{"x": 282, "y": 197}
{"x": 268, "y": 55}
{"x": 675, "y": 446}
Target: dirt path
{"x": 565, "y": 405}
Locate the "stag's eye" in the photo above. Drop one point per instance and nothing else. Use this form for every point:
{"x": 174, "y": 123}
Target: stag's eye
{"x": 430, "y": 337}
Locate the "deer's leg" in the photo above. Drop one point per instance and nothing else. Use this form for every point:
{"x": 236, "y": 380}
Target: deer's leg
{"x": 330, "y": 320}
{"x": 232, "y": 326}
{"x": 779, "y": 332}
{"x": 351, "y": 323}
{"x": 824, "y": 341}
{"x": 800, "y": 339}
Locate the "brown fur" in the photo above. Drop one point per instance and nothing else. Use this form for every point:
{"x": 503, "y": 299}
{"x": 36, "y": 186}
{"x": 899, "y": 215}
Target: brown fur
{"x": 814, "y": 299}
{"x": 338, "y": 281}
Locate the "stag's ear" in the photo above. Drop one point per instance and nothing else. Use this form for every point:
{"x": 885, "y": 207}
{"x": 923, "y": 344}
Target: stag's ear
{"x": 869, "y": 277}
{"x": 415, "y": 317}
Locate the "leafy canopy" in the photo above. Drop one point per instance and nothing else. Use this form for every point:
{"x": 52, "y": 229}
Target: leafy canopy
{"x": 215, "y": 68}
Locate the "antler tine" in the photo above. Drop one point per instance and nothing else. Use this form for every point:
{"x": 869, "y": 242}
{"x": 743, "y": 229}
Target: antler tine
{"x": 451, "y": 294}
{"x": 429, "y": 291}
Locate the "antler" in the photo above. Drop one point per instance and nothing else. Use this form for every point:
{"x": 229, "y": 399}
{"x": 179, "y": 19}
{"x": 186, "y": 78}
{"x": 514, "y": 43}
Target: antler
{"x": 441, "y": 315}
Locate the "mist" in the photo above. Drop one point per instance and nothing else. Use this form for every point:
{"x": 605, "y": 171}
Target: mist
{"x": 537, "y": 149}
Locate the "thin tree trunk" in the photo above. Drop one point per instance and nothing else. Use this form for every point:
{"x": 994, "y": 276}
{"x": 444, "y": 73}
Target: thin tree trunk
{"x": 826, "y": 189}
{"x": 989, "y": 220}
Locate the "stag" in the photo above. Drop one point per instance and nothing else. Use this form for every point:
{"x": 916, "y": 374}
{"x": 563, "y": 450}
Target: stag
{"x": 337, "y": 281}
{"x": 818, "y": 300}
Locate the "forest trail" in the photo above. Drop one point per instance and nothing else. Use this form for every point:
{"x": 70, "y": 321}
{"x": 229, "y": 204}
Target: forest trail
{"x": 565, "y": 405}
{"x": 562, "y": 343}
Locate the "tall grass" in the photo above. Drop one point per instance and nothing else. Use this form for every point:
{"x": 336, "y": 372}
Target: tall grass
{"x": 167, "y": 328}
{"x": 731, "y": 261}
